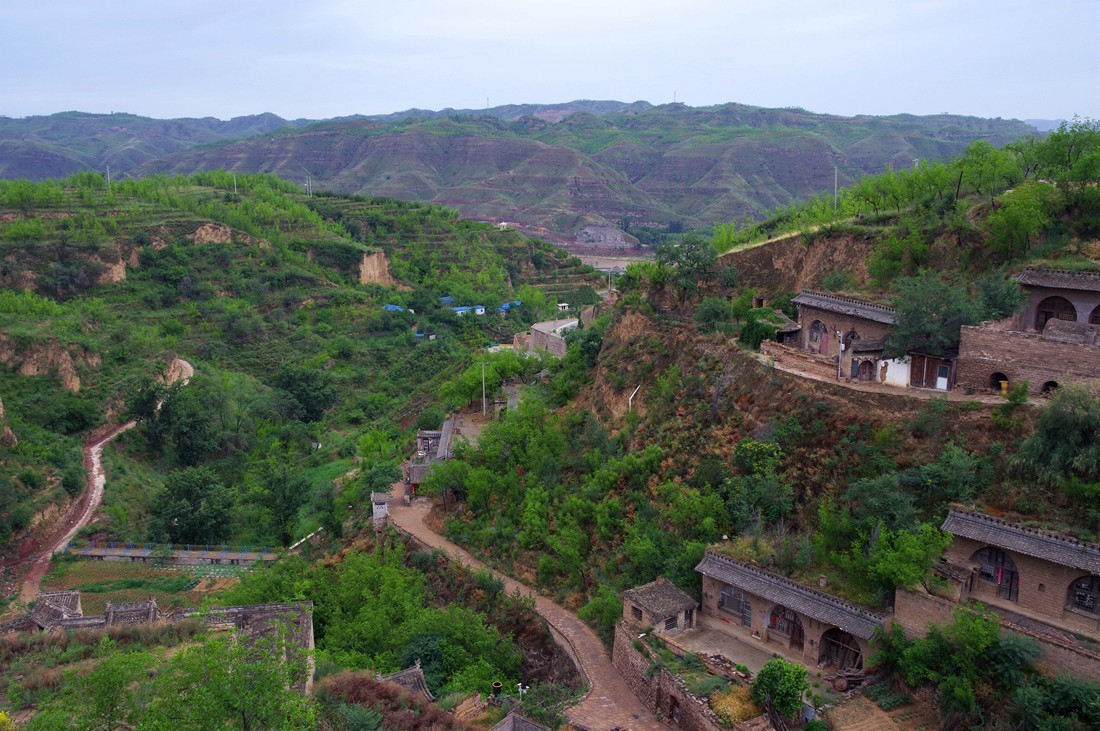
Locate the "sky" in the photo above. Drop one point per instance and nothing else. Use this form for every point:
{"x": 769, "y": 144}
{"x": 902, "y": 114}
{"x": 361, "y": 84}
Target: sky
{"x": 324, "y": 58}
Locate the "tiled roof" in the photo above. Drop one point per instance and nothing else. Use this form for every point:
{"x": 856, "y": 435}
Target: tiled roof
{"x": 553, "y": 326}
{"x": 1034, "y": 542}
{"x": 661, "y": 598}
{"x": 1060, "y": 279}
{"x": 818, "y": 605}
{"x": 846, "y": 306}
{"x": 515, "y": 722}
{"x": 411, "y": 679}
{"x": 868, "y": 346}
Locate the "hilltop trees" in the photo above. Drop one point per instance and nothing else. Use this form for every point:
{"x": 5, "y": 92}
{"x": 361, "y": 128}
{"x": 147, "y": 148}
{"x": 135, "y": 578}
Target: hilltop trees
{"x": 194, "y": 508}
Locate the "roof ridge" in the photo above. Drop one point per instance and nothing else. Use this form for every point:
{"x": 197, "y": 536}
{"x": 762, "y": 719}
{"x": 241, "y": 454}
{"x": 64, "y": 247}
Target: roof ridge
{"x": 832, "y": 598}
{"x": 849, "y": 300}
{"x": 1020, "y": 527}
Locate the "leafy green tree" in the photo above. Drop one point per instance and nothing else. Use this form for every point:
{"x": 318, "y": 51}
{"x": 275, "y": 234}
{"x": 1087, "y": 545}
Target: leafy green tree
{"x": 1020, "y": 218}
{"x": 692, "y": 260}
{"x": 999, "y": 295}
{"x": 106, "y": 698}
{"x": 711, "y": 312}
{"x": 781, "y": 683}
{"x": 1066, "y": 442}
{"x": 232, "y": 684}
{"x": 194, "y": 508}
{"x": 279, "y": 488}
{"x": 904, "y": 558}
{"x": 930, "y": 314}
{"x": 306, "y": 392}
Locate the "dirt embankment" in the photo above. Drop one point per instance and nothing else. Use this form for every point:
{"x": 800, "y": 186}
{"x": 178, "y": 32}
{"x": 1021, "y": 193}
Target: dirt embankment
{"x": 51, "y": 356}
{"x": 790, "y": 265}
{"x": 701, "y": 394}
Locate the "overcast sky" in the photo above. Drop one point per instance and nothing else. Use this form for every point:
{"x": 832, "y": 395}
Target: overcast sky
{"x": 323, "y": 58}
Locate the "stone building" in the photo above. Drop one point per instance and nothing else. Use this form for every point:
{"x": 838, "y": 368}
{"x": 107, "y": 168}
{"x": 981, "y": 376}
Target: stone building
{"x": 1059, "y": 294}
{"x": 1025, "y": 571}
{"x": 829, "y": 321}
{"x": 660, "y": 605}
{"x": 549, "y": 336}
{"x": 821, "y": 629}
{"x": 516, "y": 721}
{"x": 1055, "y": 338}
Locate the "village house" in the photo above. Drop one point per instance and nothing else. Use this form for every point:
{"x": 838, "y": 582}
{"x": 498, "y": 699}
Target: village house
{"x": 1023, "y": 570}
{"x": 546, "y": 337}
{"x": 820, "y": 628}
{"x": 432, "y": 446}
{"x": 660, "y": 605}
{"x": 1054, "y": 339}
{"x": 411, "y": 679}
{"x": 857, "y": 330}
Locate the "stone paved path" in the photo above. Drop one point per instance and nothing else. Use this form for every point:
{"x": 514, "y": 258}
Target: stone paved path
{"x": 610, "y": 704}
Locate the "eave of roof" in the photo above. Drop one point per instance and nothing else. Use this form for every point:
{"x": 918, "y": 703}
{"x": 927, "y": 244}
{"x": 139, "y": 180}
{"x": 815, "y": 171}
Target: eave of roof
{"x": 1060, "y": 279}
{"x": 851, "y": 618}
{"x": 1018, "y": 538}
{"x": 846, "y": 306}
{"x": 660, "y": 598}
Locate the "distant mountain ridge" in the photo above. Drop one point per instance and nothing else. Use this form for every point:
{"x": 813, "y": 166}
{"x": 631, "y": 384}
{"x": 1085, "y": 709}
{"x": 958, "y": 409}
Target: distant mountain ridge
{"x": 583, "y": 172}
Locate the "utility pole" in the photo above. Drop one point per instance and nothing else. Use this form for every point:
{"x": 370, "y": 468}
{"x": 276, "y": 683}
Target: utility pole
{"x": 234, "y": 184}
{"x": 839, "y": 352}
{"x": 484, "y": 406}
{"x": 630, "y": 401}
{"x": 836, "y": 178}
{"x": 108, "y": 177}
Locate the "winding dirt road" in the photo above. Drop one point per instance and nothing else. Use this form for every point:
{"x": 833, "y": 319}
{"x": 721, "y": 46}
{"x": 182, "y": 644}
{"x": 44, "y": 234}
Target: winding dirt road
{"x": 610, "y": 704}
{"x": 37, "y": 557}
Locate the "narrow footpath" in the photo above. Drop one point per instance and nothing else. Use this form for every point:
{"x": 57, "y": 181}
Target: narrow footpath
{"x": 610, "y": 704}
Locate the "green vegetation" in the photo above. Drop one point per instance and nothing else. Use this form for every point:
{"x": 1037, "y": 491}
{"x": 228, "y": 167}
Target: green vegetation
{"x": 780, "y": 683}
{"x": 986, "y": 677}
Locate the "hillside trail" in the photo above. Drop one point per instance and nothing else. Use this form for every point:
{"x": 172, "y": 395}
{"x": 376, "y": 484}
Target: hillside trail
{"x": 610, "y": 705}
{"x": 80, "y": 514}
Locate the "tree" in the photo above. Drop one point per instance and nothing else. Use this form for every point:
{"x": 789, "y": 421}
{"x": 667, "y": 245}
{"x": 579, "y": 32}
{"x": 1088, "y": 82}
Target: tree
{"x": 279, "y": 488}
{"x": 1066, "y": 442}
{"x": 692, "y": 260}
{"x": 781, "y": 683}
{"x": 237, "y": 683}
{"x": 194, "y": 507}
{"x": 711, "y": 312}
{"x": 306, "y": 392}
{"x": 1022, "y": 215}
{"x": 904, "y": 558}
{"x": 930, "y": 314}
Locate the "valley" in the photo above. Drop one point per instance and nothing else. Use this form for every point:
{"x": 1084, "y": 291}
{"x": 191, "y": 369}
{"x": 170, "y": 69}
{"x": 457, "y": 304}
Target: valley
{"x": 721, "y": 441}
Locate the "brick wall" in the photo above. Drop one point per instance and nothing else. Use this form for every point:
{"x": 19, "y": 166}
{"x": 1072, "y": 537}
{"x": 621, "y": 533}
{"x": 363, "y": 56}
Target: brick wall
{"x": 549, "y": 342}
{"x": 1020, "y": 356}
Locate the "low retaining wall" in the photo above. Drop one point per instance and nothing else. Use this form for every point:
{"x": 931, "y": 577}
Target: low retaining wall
{"x": 799, "y": 359}
{"x": 661, "y": 691}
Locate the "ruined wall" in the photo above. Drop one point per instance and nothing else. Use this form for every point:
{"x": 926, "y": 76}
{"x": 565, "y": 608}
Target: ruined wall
{"x": 817, "y": 365}
{"x": 1020, "y": 356}
{"x": 663, "y": 692}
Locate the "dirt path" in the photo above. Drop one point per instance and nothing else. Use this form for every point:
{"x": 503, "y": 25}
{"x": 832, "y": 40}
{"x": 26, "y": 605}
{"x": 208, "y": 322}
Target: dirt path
{"x": 610, "y": 704}
{"x": 80, "y": 514}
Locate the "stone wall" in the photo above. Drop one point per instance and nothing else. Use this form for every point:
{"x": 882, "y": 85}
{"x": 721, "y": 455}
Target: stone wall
{"x": 792, "y": 357}
{"x": 984, "y": 351}
{"x": 662, "y": 692}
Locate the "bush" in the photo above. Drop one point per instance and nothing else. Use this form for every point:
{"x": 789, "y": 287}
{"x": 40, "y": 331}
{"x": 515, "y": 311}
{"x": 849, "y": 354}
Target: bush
{"x": 707, "y": 685}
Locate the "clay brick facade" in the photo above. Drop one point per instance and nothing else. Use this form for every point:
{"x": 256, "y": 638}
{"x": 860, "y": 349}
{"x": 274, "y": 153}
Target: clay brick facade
{"x": 660, "y": 605}
{"x": 1059, "y": 294}
{"x": 549, "y": 337}
{"x": 862, "y": 326}
{"x": 986, "y": 354}
{"x": 770, "y": 608}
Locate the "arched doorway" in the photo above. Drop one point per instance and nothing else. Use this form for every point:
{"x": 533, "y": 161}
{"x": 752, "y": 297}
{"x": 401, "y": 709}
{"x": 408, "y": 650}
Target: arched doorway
{"x": 1049, "y": 388}
{"x": 840, "y": 650}
{"x": 1084, "y": 595}
{"x": 733, "y": 601}
{"x": 818, "y": 338}
{"x": 995, "y": 381}
{"x": 1094, "y": 318}
{"x": 1054, "y": 308}
{"x": 785, "y": 623}
{"x": 997, "y": 567}
{"x": 850, "y": 338}
{"x": 866, "y": 370}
